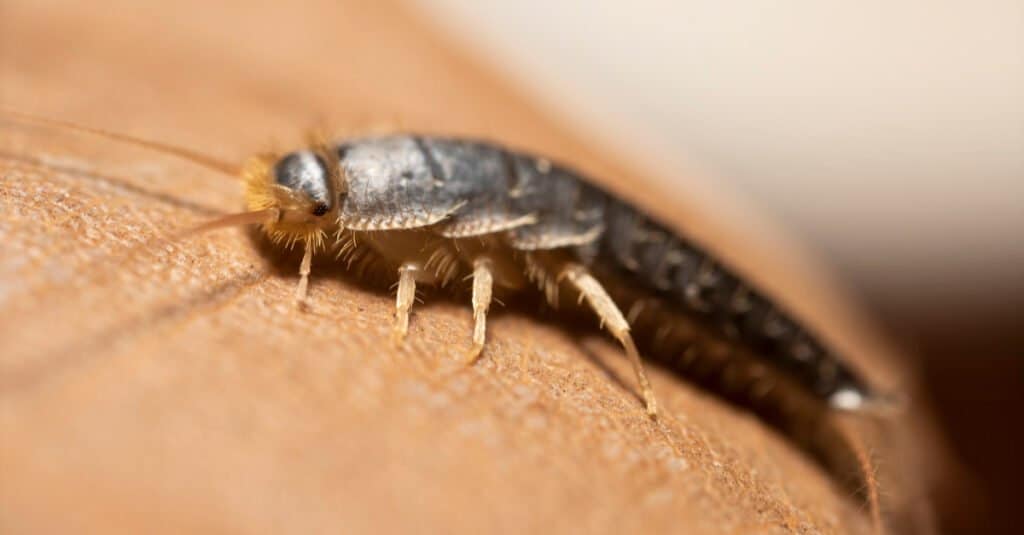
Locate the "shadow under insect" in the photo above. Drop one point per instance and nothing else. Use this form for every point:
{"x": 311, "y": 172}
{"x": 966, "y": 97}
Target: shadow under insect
{"x": 683, "y": 345}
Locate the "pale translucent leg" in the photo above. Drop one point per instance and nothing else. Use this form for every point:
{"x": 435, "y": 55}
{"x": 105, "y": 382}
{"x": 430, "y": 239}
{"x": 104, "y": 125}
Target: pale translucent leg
{"x": 302, "y": 289}
{"x": 404, "y": 299}
{"x": 612, "y": 318}
{"x": 483, "y": 282}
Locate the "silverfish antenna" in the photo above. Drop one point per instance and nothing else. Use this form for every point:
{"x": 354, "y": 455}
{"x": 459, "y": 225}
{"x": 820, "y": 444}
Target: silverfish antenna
{"x": 187, "y": 154}
{"x": 240, "y": 219}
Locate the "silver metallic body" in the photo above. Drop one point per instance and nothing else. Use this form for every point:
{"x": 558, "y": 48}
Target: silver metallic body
{"x": 461, "y": 188}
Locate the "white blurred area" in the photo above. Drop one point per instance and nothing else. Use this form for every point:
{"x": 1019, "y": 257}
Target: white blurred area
{"x": 889, "y": 135}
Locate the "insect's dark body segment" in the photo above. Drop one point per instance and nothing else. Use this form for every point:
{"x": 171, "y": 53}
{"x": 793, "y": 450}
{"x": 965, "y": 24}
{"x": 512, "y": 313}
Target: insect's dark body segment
{"x": 462, "y": 189}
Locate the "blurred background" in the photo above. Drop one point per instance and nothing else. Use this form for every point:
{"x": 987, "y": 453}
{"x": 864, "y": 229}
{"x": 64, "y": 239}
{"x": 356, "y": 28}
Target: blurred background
{"x": 889, "y": 136}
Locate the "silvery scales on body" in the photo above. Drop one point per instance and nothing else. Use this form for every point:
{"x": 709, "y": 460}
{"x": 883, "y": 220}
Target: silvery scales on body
{"x": 436, "y": 209}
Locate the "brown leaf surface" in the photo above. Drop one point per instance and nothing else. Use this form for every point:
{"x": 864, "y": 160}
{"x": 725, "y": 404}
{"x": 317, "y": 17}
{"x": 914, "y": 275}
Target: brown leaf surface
{"x": 155, "y": 386}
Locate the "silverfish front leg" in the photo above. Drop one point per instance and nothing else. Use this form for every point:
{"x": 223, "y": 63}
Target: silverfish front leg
{"x": 302, "y": 289}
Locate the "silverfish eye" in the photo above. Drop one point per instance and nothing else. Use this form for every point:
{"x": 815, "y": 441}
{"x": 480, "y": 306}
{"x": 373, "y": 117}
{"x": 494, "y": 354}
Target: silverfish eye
{"x": 306, "y": 172}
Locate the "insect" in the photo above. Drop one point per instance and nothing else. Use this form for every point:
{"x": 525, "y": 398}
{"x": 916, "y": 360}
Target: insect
{"x": 438, "y": 209}
{"x": 432, "y": 210}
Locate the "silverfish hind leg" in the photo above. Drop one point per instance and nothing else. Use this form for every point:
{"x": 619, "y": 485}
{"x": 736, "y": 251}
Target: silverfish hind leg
{"x": 611, "y": 317}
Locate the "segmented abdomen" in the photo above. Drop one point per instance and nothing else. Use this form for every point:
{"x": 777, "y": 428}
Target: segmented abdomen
{"x": 649, "y": 255}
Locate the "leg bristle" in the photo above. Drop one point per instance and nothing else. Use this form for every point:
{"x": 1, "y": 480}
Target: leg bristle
{"x": 867, "y": 471}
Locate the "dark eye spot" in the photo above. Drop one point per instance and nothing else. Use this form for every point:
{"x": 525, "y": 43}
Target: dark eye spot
{"x": 320, "y": 209}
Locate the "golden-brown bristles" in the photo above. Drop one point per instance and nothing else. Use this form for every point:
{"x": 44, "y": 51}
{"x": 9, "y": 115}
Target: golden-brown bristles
{"x": 258, "y": 183}
{"x": 262, "y": 193}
